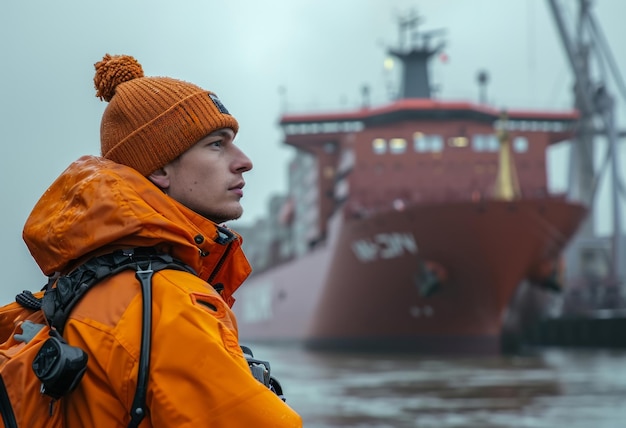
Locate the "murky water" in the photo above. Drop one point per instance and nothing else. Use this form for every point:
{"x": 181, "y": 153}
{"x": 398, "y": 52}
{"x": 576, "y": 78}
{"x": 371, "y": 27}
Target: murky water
{"x": 546, "y": 389}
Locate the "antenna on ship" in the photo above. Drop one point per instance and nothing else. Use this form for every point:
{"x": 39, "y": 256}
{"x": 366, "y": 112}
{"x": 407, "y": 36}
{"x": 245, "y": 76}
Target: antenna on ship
{"x": 415, "y": 56}
{"x": 365, "y": 96}
{"x": 482, "y": 78}
{"x": 282, "y": 93}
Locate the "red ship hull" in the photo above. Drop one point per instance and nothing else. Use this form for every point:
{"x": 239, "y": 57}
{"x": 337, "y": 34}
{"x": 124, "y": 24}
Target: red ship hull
{"x": 363, "y": 287}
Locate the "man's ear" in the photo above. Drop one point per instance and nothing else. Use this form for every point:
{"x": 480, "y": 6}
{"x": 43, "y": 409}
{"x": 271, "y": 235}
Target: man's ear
{"x": 160, "y": 179}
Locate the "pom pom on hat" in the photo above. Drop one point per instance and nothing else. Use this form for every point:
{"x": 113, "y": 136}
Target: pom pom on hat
{"x": 150, "y": 121}
{"x": 112, "y": 71}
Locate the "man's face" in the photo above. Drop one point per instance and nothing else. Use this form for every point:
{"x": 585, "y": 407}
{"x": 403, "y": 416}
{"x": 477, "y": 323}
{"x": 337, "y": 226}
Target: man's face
{"x": 208, "y": 178}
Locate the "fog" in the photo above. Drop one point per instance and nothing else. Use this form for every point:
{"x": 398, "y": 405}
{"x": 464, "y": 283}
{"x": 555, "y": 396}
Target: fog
{"x": 260, "y": 58}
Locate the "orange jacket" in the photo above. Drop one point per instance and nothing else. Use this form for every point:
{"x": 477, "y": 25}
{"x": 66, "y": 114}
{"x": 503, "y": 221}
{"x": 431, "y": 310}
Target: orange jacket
{"x": 198, "y": 376}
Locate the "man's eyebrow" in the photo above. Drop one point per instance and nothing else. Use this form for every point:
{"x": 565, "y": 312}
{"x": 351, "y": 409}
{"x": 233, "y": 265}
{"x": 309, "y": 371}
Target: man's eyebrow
{"x": 220, "y": 133}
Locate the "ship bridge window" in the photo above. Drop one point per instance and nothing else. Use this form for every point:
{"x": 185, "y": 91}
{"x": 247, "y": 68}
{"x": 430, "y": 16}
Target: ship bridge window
{"x": 458, "y": 142}
{"x": 427, "y": 143}
{"x": 353, "y": 126}
{"x": 330, "y": 127}
{"x": 520, "y": 144}
{"x": 379, "y": 145}
{"x": 525, "y": 125}
{"x": 290, "y": 129}
{"x": 397, "y": 145}
{"x": 492, "y": 143}
{"x": 485, "y": 143}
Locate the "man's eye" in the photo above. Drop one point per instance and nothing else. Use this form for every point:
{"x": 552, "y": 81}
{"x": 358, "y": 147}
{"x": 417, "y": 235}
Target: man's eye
{"x": 216, "y": 143}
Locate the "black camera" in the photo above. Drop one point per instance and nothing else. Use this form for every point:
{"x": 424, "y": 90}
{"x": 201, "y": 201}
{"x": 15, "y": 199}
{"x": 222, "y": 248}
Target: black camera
{"x": 261, "y": 371}
{"x": 59, "y": 366}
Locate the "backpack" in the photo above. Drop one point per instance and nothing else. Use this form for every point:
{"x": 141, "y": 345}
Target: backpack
{"x": 38, "y": 367}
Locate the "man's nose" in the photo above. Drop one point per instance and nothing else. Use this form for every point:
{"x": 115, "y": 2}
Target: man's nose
{"x": 242, "y": 161}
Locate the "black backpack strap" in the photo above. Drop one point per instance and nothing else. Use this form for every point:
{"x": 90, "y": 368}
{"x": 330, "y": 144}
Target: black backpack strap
{"x": 59, "y": 301}
{"x": 144, "y": 275}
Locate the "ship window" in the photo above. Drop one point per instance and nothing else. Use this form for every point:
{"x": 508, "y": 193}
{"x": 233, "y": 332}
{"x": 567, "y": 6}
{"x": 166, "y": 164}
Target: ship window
{"x": 457, "y": 142}
{"x": 427, "y": 143}
{"x": 436, "y": 143}
{"x": 330, "y": 127}
{"x": 478, "y": 142}
{"x": 520, "y": 144}
{"x": 485, "y": 143}
{"x": 419, "y": 141}
{"x": 379, "y": 146}
{"x": 397, "y": 145}
{"x": 492, "y": 143}
{"x": 353, "y": 126}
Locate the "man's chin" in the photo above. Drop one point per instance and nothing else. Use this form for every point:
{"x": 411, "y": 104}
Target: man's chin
{"x": 223, "y": 217}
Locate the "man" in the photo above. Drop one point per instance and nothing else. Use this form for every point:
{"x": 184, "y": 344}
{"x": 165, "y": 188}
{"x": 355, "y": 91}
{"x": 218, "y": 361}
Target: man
{"x": 169, "y": 176}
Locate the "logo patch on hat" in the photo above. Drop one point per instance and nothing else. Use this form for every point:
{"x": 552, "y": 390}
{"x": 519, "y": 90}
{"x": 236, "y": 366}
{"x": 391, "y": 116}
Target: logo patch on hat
{"x": 218, "y": 104}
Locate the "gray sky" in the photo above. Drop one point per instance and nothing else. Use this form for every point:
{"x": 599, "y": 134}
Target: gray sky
{"x": 321, "y": 51}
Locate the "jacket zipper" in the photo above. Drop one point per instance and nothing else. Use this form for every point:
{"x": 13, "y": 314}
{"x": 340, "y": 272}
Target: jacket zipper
{"x": 219, "y": 264}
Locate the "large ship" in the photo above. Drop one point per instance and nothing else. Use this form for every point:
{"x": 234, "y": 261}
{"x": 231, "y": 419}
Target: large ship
{"x": 409, "y": 225}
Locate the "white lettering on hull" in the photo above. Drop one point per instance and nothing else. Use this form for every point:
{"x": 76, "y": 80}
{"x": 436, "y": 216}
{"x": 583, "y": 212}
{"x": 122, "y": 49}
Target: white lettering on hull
{"x": 384, "y": 246}
{"x": 425, "y": 311}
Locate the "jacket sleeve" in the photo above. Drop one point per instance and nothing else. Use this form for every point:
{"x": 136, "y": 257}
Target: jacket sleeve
{"x": 198, "y": 375}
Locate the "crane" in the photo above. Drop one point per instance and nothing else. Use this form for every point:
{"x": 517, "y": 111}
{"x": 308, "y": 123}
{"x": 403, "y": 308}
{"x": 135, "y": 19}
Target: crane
{"x": 597, "y": 105}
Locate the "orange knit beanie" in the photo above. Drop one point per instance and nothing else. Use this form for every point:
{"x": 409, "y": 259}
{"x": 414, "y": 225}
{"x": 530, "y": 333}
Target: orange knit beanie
{"x": 150, "y": 121}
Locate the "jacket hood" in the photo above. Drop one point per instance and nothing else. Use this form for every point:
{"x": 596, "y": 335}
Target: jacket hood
{"x": 97, "y": 206}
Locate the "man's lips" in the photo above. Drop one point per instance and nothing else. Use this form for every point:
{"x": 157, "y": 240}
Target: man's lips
{"x": 238, "y": 189}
